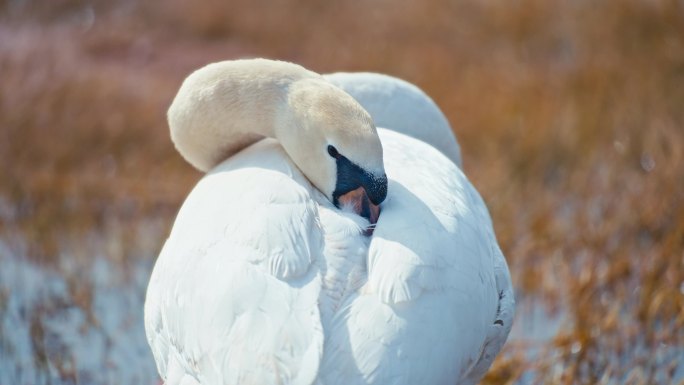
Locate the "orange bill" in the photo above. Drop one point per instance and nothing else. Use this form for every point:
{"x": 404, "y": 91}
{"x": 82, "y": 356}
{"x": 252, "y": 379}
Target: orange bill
{"x": 358, "y": 201}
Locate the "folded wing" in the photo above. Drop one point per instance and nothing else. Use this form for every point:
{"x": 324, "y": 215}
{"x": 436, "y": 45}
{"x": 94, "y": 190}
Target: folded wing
{"x": 432, "y": 297}
{"x": 400, "y": 106}
{"x": 233, "y": 296}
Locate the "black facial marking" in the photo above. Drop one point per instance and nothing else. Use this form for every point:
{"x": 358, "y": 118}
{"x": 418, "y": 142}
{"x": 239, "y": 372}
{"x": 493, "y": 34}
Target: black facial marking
{"x": 333, "y": 152}
{"x": 350, "y": 177}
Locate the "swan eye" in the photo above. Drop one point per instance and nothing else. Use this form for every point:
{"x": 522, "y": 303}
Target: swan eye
{"x": 333, "y": 151}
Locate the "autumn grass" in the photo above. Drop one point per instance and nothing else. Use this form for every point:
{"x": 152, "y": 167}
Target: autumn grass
{"x": 570, "y": 116}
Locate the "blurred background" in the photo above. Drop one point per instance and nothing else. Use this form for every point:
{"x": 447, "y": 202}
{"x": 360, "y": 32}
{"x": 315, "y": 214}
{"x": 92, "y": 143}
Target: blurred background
{"x": 570, "y": 116}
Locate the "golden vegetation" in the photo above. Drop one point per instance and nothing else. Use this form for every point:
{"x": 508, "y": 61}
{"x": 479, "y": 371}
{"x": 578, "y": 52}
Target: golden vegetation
{"x": 570, "y": 116}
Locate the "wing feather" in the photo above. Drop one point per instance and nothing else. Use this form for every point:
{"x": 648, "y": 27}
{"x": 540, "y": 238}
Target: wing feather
{"x": 432, "y": 295}
{"x": 400, "y": 106}
{"x": 233, "y": 295}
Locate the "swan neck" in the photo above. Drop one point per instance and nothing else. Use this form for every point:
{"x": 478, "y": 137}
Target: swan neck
{"x": 224, "y": 107}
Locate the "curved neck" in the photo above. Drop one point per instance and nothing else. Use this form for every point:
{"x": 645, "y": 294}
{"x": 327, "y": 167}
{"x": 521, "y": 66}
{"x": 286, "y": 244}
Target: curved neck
{"x": 224, "y": 107}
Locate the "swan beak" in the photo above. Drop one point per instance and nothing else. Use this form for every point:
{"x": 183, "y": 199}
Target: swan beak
{"x": 358, "y": 201}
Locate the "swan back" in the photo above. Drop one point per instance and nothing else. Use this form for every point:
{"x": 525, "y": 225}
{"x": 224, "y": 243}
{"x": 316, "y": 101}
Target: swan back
{"x": 400, "y": 106}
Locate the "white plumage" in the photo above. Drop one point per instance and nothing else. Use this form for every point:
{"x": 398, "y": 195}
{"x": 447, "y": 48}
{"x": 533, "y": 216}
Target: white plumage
{"x": 264, "y": 281}
{"x": 402, "y": 107}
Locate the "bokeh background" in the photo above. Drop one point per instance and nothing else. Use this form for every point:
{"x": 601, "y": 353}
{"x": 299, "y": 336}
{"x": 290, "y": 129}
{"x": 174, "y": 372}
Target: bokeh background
{"x": 570, "y": 115}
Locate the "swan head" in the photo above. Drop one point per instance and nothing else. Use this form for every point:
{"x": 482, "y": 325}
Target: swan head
{"x": 336, "y": 146}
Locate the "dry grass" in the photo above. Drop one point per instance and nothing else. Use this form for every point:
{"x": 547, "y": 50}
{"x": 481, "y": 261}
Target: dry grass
{"x": 570, "y": 116}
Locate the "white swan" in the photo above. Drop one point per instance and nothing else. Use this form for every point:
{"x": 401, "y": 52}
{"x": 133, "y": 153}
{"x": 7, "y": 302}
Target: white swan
{"x": 263, "y": 280}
